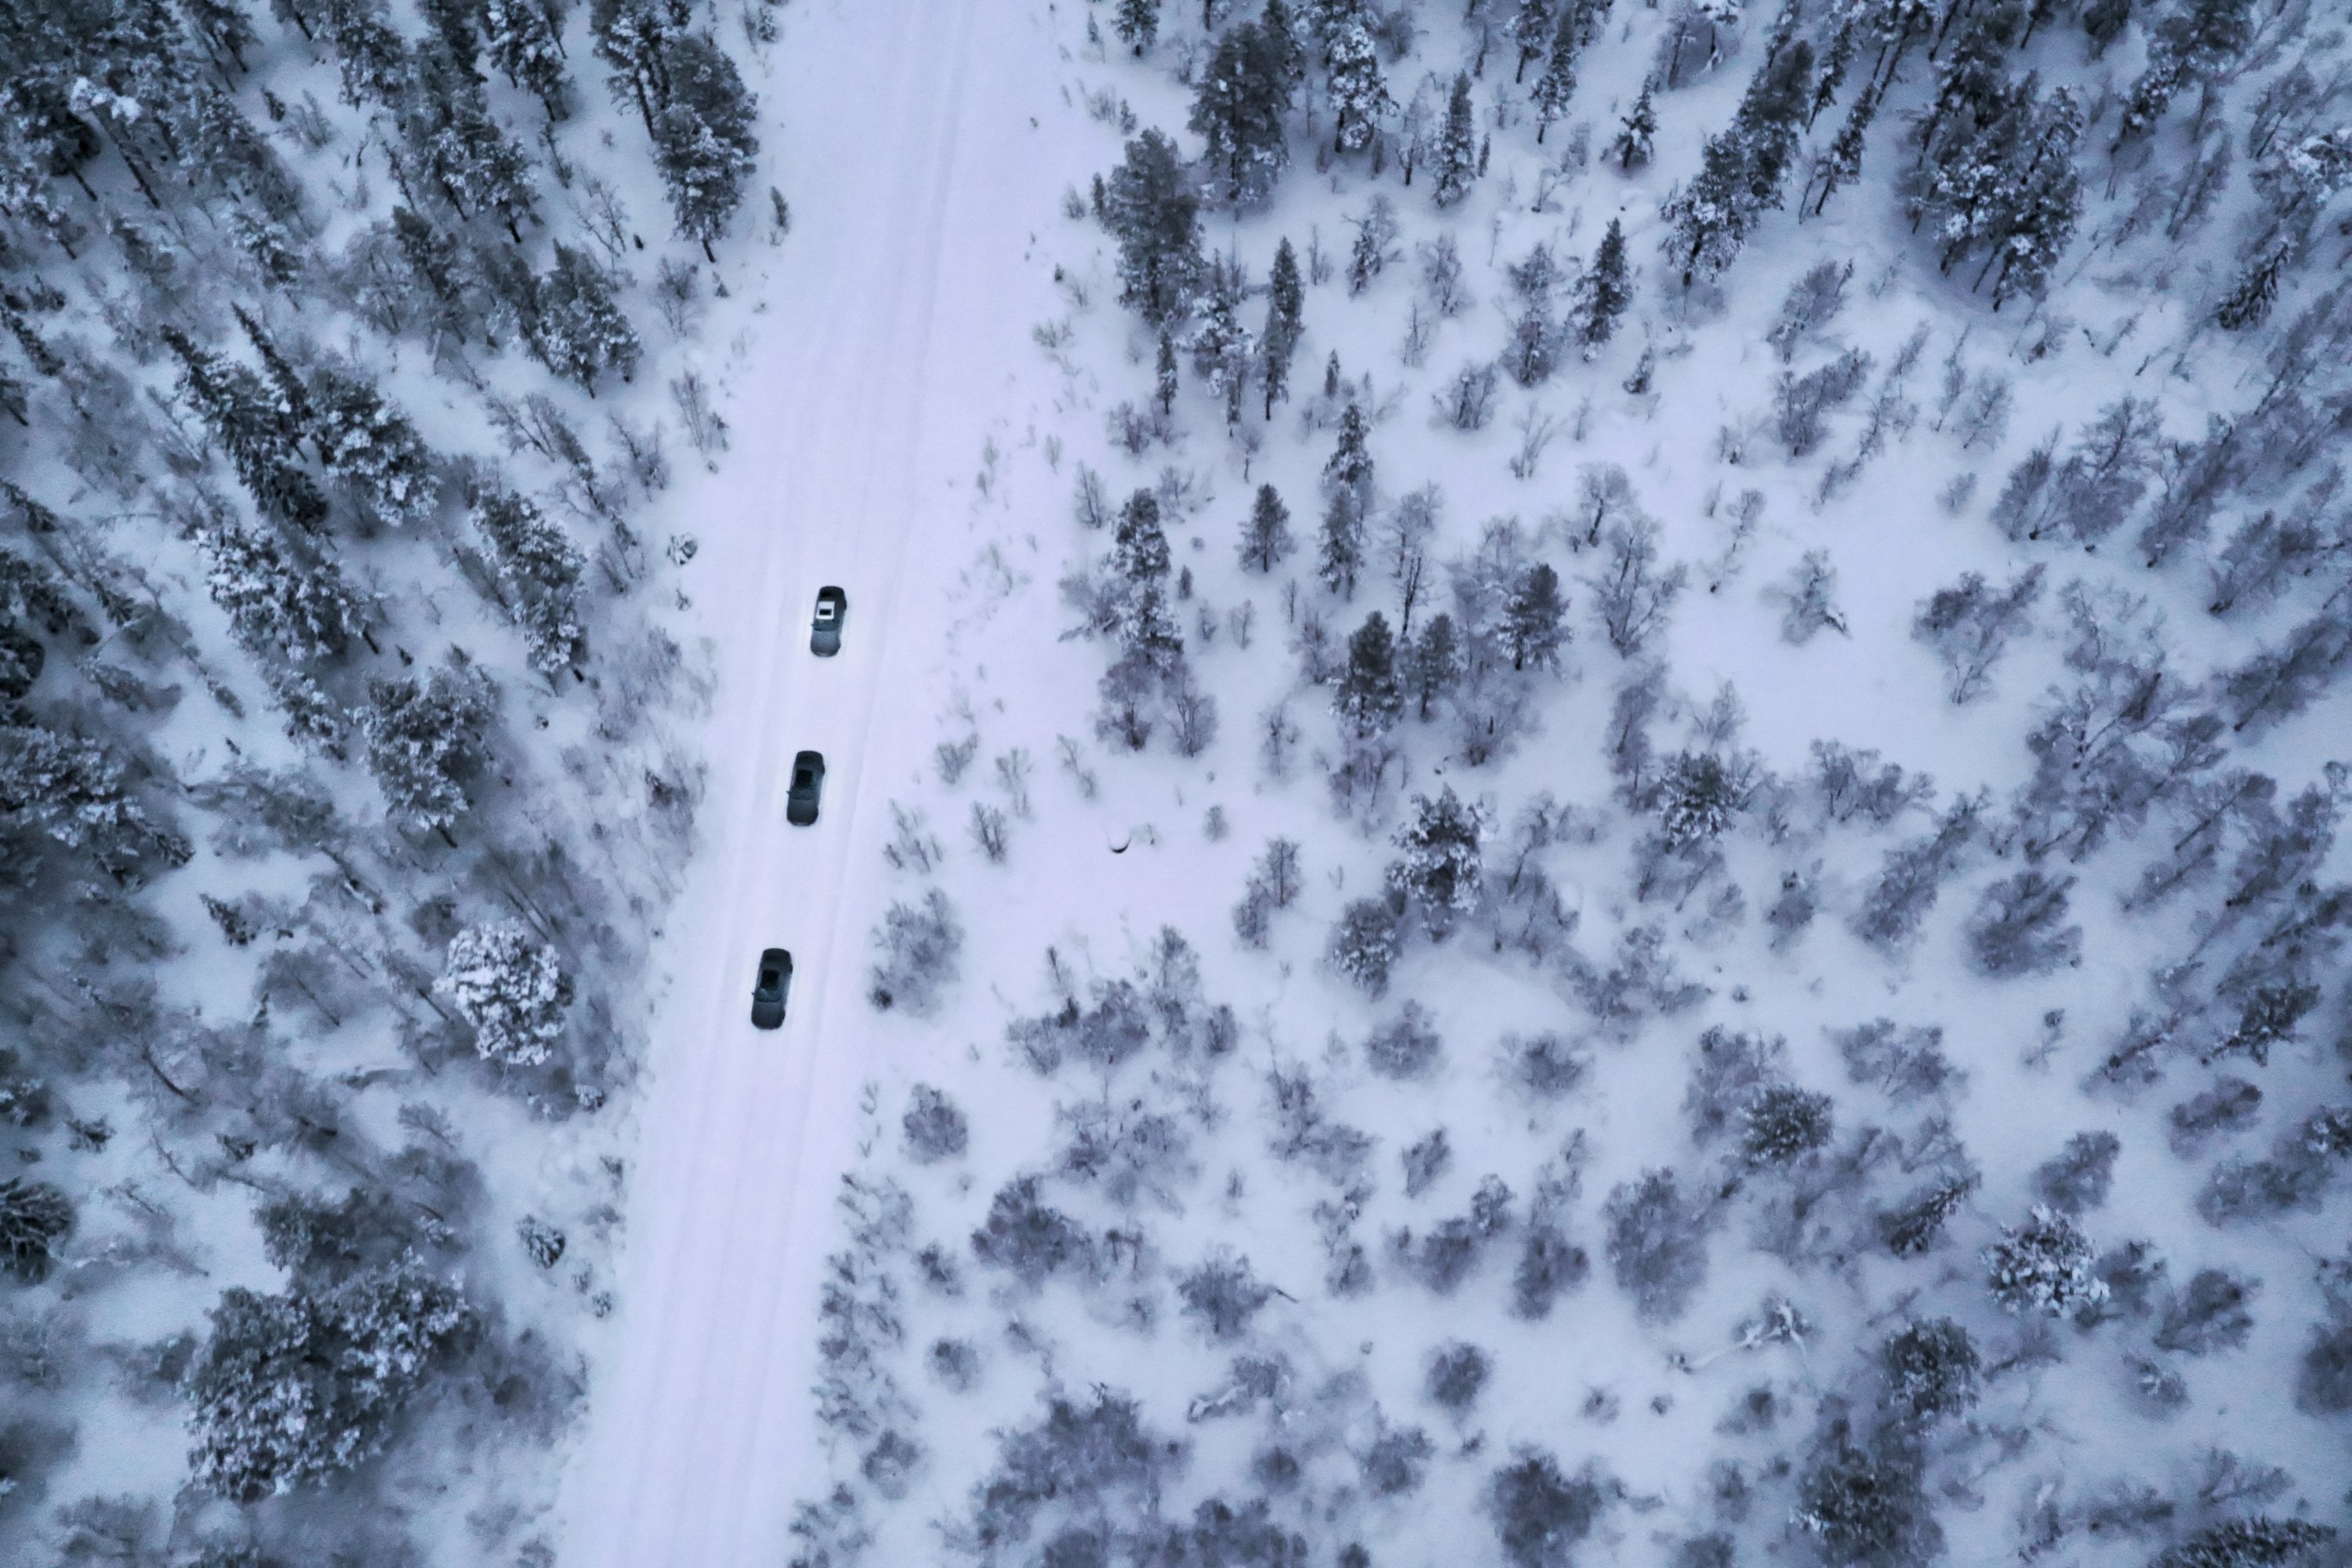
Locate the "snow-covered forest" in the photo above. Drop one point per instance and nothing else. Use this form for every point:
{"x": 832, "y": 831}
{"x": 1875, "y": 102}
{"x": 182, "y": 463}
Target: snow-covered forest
{"x": 1632, "y": 853}
{"x": 346, "y": 767}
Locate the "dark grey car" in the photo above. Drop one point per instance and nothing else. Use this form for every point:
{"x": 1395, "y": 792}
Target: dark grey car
{"x": 808, "y": 784}
{"x": 825, "y": 632}
{"x": 768, "y": 994}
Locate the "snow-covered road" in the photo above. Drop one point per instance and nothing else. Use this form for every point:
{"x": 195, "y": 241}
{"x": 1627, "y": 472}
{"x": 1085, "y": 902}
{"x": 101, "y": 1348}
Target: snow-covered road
{"x": 915, "y": 182}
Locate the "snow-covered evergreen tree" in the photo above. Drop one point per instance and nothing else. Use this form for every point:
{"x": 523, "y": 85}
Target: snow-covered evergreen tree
{"x": 578, "y": 329}
{"x": 423, "y": 741}
{"x": 1602, "y": 291}
{"x": 1285, "y": 324}
{"x": 511, "y": 987}
{"x": 1455, "y": 165}
{"x": 704, "y": 141}
{"x": 1558, "y": 84}
{"x": 1150, "y": 205}
{"x": 1138, "y": 22}
{"x": 1638, "y": 133}
{"x": 1367, "y": 697}
{"x": 1237, "y": 111}
{"x": 1443, "y": 867}
{"x": 1359, "y": 93}
{"x": 292, "y": 1389}
{"x": 371, "y": 446}
{"x": 2043, "y": 1266}
{"x": 538, "y": 572}
{"x": 525, "y": 42}
{"x": 294, "y": 605}
{"x": 1266, "y": 537}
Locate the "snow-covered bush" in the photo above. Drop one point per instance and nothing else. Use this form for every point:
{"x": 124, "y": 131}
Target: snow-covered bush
{"x": 1407, "y": 1047}
{"x": 1657, "y": 1244}
{"x": 1783, "y": 1123}
{"x": 1394, "y": 1462}
{"x": 1549, "y": 1266}
{"x": 510, "y": 988}
{"x": 1931, "y": 1368}
{"x": 542, "y": 1242}
{"x": 1866, "y": 1508}
{"x": 2019, "y": 927}
{"x": 1425, "y": 1161}
{"x": 2213, "y": 1312}
{"x": 2078, "y": 1177}
{"x": 955, "y": 1362}
{"x": 1223, "y": 1294}
{"x": 1540, "y": 1515}
{"x": 921, "y": 946}
{"x": 1457, "y": 1374}
{"x": 1030, "y": 1239}
{"x": 934, "y": 1126}
{"x": 2042, "y": 1266}
{"x": 1545, "y": 1064}
{"x": 1364, "y": 944}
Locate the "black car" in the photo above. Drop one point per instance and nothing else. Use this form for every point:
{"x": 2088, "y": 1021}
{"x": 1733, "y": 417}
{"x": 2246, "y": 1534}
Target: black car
{"x": 825, "y": 632}
{"x": 774, "y": 985}
{"x": 808, "y": 784}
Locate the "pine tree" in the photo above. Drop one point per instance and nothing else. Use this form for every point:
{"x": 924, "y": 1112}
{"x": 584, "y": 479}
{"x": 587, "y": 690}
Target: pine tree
{"x": 254, "y": 427}
{"x": 1349, "y": 466}
{"x": 1529, "y": 27}
{"x": 2043, "y": 1266}
{"x": 1534, "y": 622}
{"x": 1343, "y": 555}
{"x": 372, "y": 448}
{"x": 1284, "y": 46}
{"x": 1431, "y": 663}
{"x": 1638, "y": 130}
{"x": 704, "y": 143}
{"x": 1359, "y": 95}
{"x": 539, "y": 569}
{"x": 1558, "y": 83}
{"x": 2197, "y": 43}
{"x": 1150, "y": 206}
{"x": 2259, "y": 1542}
{"x": 1843, "y": 164}
{"x": 1137, "y": 23}
{"x": 634, "y": 37}
{"x": 1164, "y": 383}
{"x": 577, "y": 329}
{"x": 424, "y": 741}
{"x": 2044, "y": 204}
{"x": 1284, "y": 302}
{"x": 278, "y": 602}
{"x": 1367, "y": 696}
{"x": 473, "y": 163}
{"x": 1931, "y": 1368}
{"x": 224, "y": 28}
{"x": 526, "y": 44}
{"x": 1266, "y": 537}
{"x": 1457, "y": 145}
{"x": 1222, "y": 349}
{"x": 1443, "y": 867}
{"x": 1602, "y": 292}
{"x": 1238, "y": 112}
{"x": 510, "y": 988}
{"x": 2104, "y": 22}
{"x": 2248, "y": 304}
{"x": 293, "y": 1389}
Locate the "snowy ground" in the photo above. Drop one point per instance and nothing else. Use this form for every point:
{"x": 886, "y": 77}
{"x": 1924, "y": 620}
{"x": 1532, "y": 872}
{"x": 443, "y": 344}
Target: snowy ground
{"x": 899, "y": 434}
